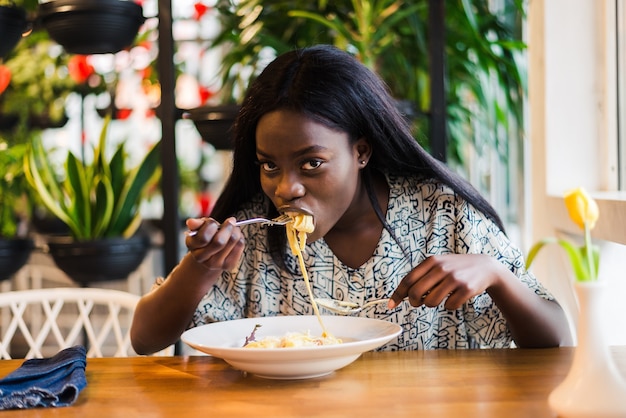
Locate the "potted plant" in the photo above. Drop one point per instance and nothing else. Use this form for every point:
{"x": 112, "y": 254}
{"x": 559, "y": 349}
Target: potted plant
{"x": 484, "y": 80}
{"x": 99, "y": 202}
{"x": 15, "y": 244}
{"x": 14, "y": 22}
{"x": 41, "y": 79}
{"x": 92, "y": 26}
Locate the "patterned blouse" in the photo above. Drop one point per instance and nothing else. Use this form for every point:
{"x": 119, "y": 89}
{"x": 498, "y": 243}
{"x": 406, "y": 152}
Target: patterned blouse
{"x": 427, "y": 218}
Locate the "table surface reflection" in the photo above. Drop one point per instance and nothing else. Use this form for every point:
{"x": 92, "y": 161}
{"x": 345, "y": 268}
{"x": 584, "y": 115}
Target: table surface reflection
{"x": 447, "y": 383}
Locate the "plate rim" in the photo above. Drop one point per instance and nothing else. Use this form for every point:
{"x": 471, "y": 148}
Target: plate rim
{"x": 391, "y": 334}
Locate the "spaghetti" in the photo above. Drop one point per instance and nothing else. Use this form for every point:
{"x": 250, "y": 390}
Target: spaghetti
{"x": 296, "y": 236}
{"x": 297, "y": 231}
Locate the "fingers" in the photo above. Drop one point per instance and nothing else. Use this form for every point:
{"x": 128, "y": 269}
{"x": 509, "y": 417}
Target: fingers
{"x": 205, "y": 229}
{"x": 455, "y": 300}
{"x": 215, "y": 246}
{"x": 193, "y": 224}
{"x": 399, "y": 294}
{"x": 417, "y": 285}
{"x": 228, "y": 256}
{"x": 438, "y": 279}
{"x": 233, "y": 256}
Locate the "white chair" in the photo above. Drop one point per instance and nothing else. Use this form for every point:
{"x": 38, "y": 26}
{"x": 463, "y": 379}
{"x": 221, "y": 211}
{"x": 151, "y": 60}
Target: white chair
{"x": 49, "y": 320}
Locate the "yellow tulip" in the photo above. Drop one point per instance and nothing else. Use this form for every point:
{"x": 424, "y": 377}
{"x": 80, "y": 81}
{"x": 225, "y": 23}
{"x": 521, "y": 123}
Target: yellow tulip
{"x": 582, "y": 208}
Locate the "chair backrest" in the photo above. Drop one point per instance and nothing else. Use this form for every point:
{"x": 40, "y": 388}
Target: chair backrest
{"x": 40, "y": 322}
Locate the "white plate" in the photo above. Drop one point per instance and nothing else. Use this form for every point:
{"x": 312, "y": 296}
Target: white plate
{"x": 225, "y": 340}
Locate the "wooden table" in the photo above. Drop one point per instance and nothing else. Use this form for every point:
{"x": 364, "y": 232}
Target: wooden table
{"x": 463, "y": 383}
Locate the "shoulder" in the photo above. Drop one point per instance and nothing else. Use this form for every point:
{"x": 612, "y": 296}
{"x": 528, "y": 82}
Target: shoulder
{"x": 434, "y": 204}
{"x": 418, "y": 184}
{"x": 424, "y": 191}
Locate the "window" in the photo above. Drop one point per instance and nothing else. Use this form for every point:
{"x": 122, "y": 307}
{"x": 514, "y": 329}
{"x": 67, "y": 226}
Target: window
{"x": 577, "y": 51}
{"x": 620, "y": 38}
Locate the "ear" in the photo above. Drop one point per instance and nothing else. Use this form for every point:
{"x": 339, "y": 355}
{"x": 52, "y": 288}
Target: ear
{"x": 363, "y": 152}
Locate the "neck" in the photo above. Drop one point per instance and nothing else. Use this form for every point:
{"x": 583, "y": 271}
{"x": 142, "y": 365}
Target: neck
{"x": 361, "y": 212}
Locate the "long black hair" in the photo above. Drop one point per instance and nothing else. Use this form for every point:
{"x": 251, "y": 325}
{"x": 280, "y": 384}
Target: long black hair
{"x": 333, "y": 88}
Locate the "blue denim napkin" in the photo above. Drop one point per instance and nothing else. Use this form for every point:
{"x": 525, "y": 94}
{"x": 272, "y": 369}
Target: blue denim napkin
{"x": 45, "y": 382}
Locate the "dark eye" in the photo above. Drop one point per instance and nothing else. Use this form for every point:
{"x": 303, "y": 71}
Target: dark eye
{"x": 311, "y": 164}
{"x": 267, "y": 166}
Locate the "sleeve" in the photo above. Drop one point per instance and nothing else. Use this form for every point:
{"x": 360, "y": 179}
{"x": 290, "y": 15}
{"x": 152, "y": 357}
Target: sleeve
{"x": 475, "y": 233}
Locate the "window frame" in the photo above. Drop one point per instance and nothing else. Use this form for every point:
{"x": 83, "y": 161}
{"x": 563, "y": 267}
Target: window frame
{"x": 555, "y": 165}
{"x": 573, "y": 141}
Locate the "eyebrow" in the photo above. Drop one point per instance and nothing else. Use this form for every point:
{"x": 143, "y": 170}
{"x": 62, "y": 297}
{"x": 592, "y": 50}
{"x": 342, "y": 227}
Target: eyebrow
{"x": 303, "y": 151}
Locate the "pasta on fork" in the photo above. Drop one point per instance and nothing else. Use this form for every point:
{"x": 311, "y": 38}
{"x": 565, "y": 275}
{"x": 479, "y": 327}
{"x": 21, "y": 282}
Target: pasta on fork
{"x": 297, "y": 231}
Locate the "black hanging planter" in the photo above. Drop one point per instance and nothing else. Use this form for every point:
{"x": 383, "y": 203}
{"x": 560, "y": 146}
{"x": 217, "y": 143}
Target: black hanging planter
{"x": 8, "y": 122}
{"x": 13, "y": 24}
{"x": 214, "y": 123}
{"x": 92, "y": 26}
{"x": 14, "y": 254}
{"x": 98, "y": 260}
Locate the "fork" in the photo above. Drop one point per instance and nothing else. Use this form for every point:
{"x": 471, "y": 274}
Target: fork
{"x": 346, "y": 308}
{"x": 279, "y": 220}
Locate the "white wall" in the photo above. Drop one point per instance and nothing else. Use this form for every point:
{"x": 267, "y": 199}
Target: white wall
{"x": 573, "y": 138}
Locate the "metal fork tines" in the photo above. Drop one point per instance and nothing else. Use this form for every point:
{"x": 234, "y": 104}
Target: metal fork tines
{"x": 279, "y": 220}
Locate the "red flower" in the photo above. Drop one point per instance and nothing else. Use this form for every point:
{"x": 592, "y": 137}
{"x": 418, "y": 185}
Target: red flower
{"x": 200, "y": 9}
{"x": 206, "y": 203}
{"x": 80, "y": 69}
{"x": 146, "y": 44}
{"x": 146, "y": 73}
{"x": 205, "y": 94}
{"x": 123, "y": 114}
{"x": 5, "y": 78}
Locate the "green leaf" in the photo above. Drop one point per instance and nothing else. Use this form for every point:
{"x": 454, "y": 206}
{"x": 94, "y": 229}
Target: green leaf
{"x": 136, "y": 183}
{"x": 80, "y": 205}
{"x": 118, "y": 171}
{"x": 576, "y": 256}
{"x": 43, "y": 182}
{"x": 95, "y": 200}
{"x": 103, "y": 209}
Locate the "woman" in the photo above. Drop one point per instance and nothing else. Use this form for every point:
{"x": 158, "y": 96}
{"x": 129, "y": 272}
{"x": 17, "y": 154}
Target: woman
{"x": 319, "y": 132}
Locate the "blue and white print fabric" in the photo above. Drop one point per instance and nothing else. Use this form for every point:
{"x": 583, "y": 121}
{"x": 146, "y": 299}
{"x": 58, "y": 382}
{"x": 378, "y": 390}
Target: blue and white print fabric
{"x": 427, "y": 218}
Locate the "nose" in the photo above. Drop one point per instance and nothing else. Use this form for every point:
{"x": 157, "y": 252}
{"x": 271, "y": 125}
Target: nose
{"x": 289, "y": 187}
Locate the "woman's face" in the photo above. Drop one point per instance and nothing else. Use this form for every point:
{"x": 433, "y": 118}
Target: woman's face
{"x": 305, "y": 165}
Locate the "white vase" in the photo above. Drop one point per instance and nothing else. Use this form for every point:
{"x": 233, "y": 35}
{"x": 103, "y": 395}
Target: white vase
{"x": 593, "y": 387}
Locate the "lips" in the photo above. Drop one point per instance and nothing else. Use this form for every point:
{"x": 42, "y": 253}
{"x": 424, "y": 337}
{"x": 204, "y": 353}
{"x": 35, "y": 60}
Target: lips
{"x": 288, "y": 208}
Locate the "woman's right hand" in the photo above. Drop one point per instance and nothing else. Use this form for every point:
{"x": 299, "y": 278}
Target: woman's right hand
{"x": 215, "y": 246}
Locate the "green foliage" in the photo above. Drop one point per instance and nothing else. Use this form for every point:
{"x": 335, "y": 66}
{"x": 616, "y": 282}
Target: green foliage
{"x": 13, "y": 186}
{"x": 370, "y": 27}
{"x": 578, "y": 257}
{"x": 97, "y": 200}
{"x": 40, "y": 85}
{"x": 28, "y": 5}
{"x": 485, "y": 80}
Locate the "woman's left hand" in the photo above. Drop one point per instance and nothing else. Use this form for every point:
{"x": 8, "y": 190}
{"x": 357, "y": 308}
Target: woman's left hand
{"x": 457, "y": 277}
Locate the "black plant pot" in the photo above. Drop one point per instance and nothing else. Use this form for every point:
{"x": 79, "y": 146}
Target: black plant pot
{"x": 14, "y": 254}
{"x": 44, "y": 223}
{"x": 98, "y": 260}
{"x": 9, "y": 121}
{"x": 92, "y": 26}
{"x": 12, "y": 25}
{"x": 214, "y": 123}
